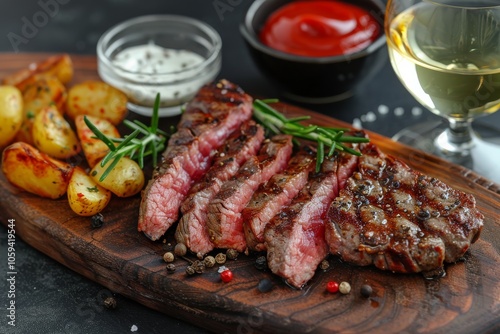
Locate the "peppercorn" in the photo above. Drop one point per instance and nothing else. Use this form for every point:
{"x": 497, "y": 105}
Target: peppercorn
{"x": 168, "y": 257}
{"x": 180, "y": 249}
{"x": 97, "y": 220}
{"x": 265, "y": 285}
{"x": 324, "y": 265}
{"x": 226, "y": 276}
{"x": 198, "y": 266}
{"x": 110, "y": 302}
{"x": 232, "y": 254}
{"x": 261, "y": 263}
{"x": 170, "y": 268}
{"x": 332, "y": 286}
{"x": 190, "y": 270}
{"x": 220, "y": 258}
{"x": 344, "y": 288}
{"x": 366, "y": 290}
{"x": 209, "y": 261}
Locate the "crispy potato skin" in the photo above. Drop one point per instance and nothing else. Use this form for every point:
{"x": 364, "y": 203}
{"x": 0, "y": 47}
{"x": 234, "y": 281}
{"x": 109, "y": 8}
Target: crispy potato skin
{"x": 11, "y": 113}
{"x": 97, "y": 98}
{"x": 53, "y": 135}
{"x": 93, "y": 148}
{"x": 42, "y": 93}
{"x": 33, "y": 171}
{"x": 125, "y": 180}
{"x": 59, "y": 66}
{"x": 85, "y": 196}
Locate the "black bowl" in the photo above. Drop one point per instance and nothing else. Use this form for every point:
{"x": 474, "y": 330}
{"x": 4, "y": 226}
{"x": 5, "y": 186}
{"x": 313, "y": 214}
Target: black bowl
{"x": 313, "y": 79}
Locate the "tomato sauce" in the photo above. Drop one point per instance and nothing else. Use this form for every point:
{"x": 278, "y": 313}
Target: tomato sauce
{"x": 320, "y": 28}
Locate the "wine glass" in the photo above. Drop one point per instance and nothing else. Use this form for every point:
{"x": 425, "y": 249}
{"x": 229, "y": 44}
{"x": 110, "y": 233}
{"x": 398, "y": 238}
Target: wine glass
{"x": 447, "y": 55}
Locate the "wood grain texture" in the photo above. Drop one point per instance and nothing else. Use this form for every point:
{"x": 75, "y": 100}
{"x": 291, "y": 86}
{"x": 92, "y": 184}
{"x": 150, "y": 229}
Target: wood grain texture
{"x": 466, "y": 300}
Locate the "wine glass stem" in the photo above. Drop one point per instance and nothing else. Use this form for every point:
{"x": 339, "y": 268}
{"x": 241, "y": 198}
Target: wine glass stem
{"x": 457, "y": 139}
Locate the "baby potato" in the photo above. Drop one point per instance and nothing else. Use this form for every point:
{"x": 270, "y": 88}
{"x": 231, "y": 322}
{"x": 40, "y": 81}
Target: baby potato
{"x": 93, "y": 148}
{"x": 59, "y": 66}
{"x": 85, "y": 196}
{"x": 33, "y": 171}
{"x": 97, "y": 98}
{"x": 11, "y": 113}
{"x": 53, "y": 135}
{"x": 125, "y": 179}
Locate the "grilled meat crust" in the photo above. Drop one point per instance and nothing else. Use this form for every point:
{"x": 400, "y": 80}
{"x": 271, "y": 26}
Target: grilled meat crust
{"x": 224, "y": 222}
{"x": 191, "y": 229}
{"x": 275, "y": 194}
{"x": 398, "y": 219}
{"x": 216, "y": 111}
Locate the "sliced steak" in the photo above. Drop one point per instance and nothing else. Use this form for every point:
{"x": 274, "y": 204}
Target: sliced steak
{"x": 216, "y": 111}
{"x": 273, "y": 195}
{"x": 224, "y": 223}
{"x": 398, "y": 219}
{"x": 242, "y": 145}
{"x": 295, "y": 237}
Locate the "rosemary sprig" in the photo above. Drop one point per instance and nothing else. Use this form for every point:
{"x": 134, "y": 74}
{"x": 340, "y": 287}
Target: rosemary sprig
{"x": 142, "y": 142}
{"x": 326, "y": 137}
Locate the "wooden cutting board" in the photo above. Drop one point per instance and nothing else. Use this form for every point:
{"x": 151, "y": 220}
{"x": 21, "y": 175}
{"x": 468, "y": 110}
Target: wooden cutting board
{"x": 466, "y": 300}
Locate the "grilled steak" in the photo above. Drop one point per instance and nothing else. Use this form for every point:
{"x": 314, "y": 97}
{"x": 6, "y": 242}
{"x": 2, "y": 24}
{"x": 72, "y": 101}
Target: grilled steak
{"x": 215, "y": 112}
{"x": 272, "y": 196}
{"x": 295, "y": 237}
{"x": 242, "y": 145}
{"x": 398, "y": 219}
{"x": 224, "y": 221}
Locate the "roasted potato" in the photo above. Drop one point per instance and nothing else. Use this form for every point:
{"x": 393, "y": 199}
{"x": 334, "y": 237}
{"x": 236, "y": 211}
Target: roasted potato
{"x": 11, "y": 113}
{"x": 85, "y": 196}
{"x": 125, "y": 179}
{"x": 31, "y": 170}
{"x": 93, "y": 148}
{"x": 59, "y": 66}
{"x": 97, "y": 98}
{"x": 42, "y": 93}
{"x": 53, "y": 135}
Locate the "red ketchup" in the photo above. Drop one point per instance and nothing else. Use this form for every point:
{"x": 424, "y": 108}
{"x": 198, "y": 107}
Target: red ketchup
{"x": 320, "y": 28}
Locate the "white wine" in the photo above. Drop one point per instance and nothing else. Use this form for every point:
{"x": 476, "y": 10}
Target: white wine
{"x": 448, "y": 58}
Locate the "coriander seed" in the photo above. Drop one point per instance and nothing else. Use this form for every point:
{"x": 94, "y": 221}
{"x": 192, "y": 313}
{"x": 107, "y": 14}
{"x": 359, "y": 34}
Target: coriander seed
{"x": 209, "y": 261}
{"x": 232, "y": 254}
{"x": 190, "y": 270}
{"x": 180, "y": 249}
{"x": 344, "y": 288}
{"x": 168, "y": 257}
{"x": 198, "y": 266}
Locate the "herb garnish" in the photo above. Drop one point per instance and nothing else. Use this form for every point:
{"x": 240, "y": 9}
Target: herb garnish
{"x": 151, "y": 143}
{"x": 326, "y": 137}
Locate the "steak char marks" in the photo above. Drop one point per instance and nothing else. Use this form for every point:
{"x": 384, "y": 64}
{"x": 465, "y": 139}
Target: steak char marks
{"x": 224, "y": 223}
{"x": 273, "y": 195}
{"x": 216, "y": 111}
{"x": 242, "y": 145}
{"x": 295, "y": 237}
{"x": 398, "y": 219}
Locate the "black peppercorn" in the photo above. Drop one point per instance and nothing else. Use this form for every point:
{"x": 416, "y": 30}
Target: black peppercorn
{"x": 366, "y": 290}
{"x": 170, "y": 268}
{"x": 97, "y": 220}
{"x": 190, "y": 271}
{"x": 261, "y": 263}
{"x": 265, "y": 285}
{"x": 232, "y": 254}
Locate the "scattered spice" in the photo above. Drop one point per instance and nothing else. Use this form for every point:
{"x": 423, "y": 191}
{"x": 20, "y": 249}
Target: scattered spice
{"x": 344, "y": 288}
{"x": 190, "y": 270}
{"x": 366, "y": 290}
{"x": 170, "y": 268}
{"x": 324, "y": 265}
{"x": 209, "y": 261}
{"x": 180, "y": 249}
{"x": 168, "y": 257}
{"x": 198, "y": 266}
{"x": 220, "y": 258}
{"x": 226, "y": 276}
{"x": 332, "y": 287}
{"x": 232, "y": 254}
{"x": 97, "y": 220}
{"x": 265, "y": 285}
{"x": 110, "y": 302}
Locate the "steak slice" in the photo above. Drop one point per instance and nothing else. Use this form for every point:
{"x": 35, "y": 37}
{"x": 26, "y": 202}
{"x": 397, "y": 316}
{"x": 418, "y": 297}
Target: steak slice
{"x": 398, "y": 219}
{"x": 191, "y": 229}
{"x": 273, "y": 195}
{"x": 216, "y": 111}
{"x": 295, "y": 237}
{"x": 224, "y": 222}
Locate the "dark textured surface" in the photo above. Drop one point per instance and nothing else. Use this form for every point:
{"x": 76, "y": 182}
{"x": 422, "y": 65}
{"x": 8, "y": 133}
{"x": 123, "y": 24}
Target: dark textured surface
{"x": 52, "y": 299}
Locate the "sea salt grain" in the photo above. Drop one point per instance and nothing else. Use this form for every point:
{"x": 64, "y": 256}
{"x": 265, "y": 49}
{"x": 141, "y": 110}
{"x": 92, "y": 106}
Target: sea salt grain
{"x": 383, "y": 109}
{"x": 134, "y": 328}
{"x": 371, "y": 117}
{"x": 399, "y": 111}
{"x": 356, "y": 123}
{"x": 416, "y": 111}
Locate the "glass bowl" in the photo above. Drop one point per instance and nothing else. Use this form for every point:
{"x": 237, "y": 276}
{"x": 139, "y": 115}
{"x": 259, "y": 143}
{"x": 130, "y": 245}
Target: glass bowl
{"x": 167, "y": 54}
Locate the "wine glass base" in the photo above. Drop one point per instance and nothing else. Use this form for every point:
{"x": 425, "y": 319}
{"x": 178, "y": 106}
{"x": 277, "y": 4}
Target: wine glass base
{"x": 483, "y": 156}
